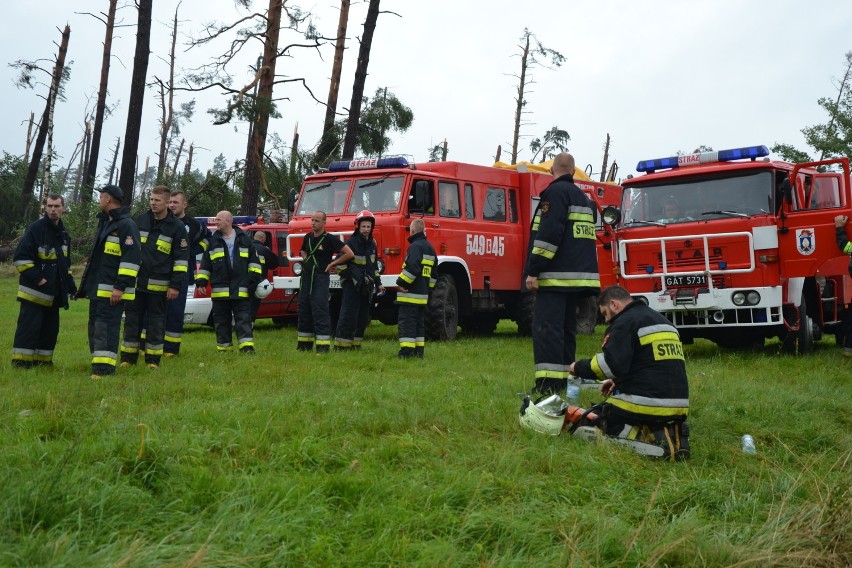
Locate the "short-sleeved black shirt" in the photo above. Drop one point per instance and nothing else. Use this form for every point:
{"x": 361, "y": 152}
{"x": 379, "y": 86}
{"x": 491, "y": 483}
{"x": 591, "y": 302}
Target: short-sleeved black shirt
{"x": 317, "y": 251}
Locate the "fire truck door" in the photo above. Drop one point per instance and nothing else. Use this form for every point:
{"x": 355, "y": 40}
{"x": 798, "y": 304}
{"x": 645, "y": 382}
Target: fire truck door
{"x": 809, "y": 238}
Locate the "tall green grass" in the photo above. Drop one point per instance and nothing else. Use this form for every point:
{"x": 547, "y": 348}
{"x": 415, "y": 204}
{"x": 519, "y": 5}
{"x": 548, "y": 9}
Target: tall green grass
{"x": 359, "y": 459}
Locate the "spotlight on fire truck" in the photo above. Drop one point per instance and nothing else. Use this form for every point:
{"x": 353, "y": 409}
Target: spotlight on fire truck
{"x": 745, "y": 153}
{"x": 745, "y": 298}
{"x": 368, "y": 164}
{"x": 611, "y": 215}
{"x": 297, "y": 268}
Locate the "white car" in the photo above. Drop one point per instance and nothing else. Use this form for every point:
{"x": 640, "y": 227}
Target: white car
{"x": 197, "y": 309}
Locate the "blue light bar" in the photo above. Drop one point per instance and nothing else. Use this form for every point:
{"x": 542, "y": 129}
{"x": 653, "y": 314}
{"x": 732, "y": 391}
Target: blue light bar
{"x": 746, "y": 153}
{"x": 368, "y": 164}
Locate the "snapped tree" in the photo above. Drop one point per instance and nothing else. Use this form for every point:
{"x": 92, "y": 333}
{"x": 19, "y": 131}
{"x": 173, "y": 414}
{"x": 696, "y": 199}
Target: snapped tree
{"x": 256, "y": 108}
{"x": 533, "y": 54}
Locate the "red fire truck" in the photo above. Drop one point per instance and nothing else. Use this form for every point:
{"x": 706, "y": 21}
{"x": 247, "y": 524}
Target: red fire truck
{"x": 477, "y": 218}
{"x": 735, "y": 248}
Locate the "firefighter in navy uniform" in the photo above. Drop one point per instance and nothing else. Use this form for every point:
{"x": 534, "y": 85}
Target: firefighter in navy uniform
{"x": 197, "y": 235}
{"x": 110, "y": 278}
{"x": 318, "y": 247}
{"x": 360, "y": 278}
{"x": 643, "y": 372}
{"x": 165, "y": 261}
{"x": 42, "y": 259}
{"x": 562, "y": 267}
{"x": 233, "y": 270}
{"x": 846, "y": 247}
{"x": 414, "y": 283}
{"x": 268, "y": 263}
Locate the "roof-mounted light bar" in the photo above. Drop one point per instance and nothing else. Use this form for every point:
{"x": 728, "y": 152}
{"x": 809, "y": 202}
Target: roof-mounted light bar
{"x": 746, "y": 153}
{"x": 368, "y": 164}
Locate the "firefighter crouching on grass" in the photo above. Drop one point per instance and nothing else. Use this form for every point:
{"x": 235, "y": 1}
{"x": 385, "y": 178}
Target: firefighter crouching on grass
{"x": 232, "y": 268}
{"x": 643, "y": 373}
{"x": 165, "y": 260}
{"x": 109, "y": 279}
{"x": 414, "y": 282}
{"x": 42, "y": 259}
{"x": 360, "y": 277}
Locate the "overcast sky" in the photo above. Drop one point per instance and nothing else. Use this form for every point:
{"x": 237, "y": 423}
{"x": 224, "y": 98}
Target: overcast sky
{"x": 658, "y": 76}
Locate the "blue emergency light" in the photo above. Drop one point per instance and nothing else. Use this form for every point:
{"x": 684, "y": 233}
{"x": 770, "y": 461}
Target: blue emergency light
{"x": 368, "y": 164}
{"x": 746, "y": 153}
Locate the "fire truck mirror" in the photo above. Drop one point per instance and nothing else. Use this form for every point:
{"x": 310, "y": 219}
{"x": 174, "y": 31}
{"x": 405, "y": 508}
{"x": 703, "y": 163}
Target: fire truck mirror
{"x": 786, "y": 191}
{"x": 420, "y": 200}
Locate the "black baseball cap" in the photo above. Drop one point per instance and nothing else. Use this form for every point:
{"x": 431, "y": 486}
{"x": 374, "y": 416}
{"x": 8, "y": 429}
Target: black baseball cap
{"x": 113, "y": 191}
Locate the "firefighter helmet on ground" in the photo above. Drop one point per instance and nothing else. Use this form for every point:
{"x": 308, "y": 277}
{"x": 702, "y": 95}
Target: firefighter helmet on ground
{"x": 534, "y": 418}
{"x": 365, "y": 215}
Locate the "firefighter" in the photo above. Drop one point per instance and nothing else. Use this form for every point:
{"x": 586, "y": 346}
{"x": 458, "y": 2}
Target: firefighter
{"x": 42, "y": 259}
{"x": 360, "y": 278}
{"x": 197, "y": 234}
{"x": 268, "y": 261}
{"x": 643, "y": 373}
{"x": 846, "y": 246}
{"x": 164, "y": 266}
{"x": 110, "y": 278}
{"x": 562, "y": 266}
{"x": 318, "y": 247}
{"x": 414, "y": 283}
{"x": 232, "y": 268}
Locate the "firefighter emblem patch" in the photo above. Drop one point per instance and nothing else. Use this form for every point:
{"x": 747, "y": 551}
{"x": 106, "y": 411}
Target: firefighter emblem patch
{"x": 805, "y": 241}
{"x": 128, "y": 241}
{"x": 544, "y": 207}
{"x": 183, "y": 243}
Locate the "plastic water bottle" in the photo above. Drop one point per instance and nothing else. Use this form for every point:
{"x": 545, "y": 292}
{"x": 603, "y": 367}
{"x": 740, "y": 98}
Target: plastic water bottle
{"x": 572, "y": 392}
{"x": 748, "y": 445}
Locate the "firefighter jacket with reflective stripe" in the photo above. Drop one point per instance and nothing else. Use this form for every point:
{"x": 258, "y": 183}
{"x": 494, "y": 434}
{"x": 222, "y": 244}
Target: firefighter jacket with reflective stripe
{"x": 198, "y": 235}
{"x": 233, "y": 277}
{"x": 845, "y": 244}
{"x": 563, "y": 253}
{"x": 43, "y": 252}
{"x": 416, "y": 274}
{"x": 643, "y": 355}
{"x": 114, "y": 260}
{"x": 165, "y": 253}
{"x": 364, "y": 261}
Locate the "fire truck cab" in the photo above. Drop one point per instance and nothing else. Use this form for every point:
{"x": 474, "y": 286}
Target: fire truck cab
{"x": 477, "y": 219}
{"x": 735, "y": 248}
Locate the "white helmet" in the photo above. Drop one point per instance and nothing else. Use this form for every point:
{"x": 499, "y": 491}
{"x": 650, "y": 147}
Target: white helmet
{"x": 540, "y": 417}
{"x": 263, "y": 289}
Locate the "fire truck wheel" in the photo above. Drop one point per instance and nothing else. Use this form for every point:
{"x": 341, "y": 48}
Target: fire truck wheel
{"x": 442, "y": 312}
{"x": 587, "y": 315}
{"x": 801, "y": 341}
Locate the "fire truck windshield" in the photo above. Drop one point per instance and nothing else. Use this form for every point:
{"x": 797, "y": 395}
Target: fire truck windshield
{"x": 376, "y": 194}
{"x": 680, "y": 201}
{"x": 324, "y": 196}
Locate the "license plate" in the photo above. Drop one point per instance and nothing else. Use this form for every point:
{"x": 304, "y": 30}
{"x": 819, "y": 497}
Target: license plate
{"x": 687, "y": 280}
{"x": 334, "y": 283}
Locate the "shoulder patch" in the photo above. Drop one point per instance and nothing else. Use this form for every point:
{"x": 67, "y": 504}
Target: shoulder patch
{"x": 129, "y": 240}
{"x": 184, "y": 243}
{"x": 544, "y": 207}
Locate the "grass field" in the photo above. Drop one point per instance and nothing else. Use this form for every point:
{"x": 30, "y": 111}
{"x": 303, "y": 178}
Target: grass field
{"x": 359, "y": 459}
